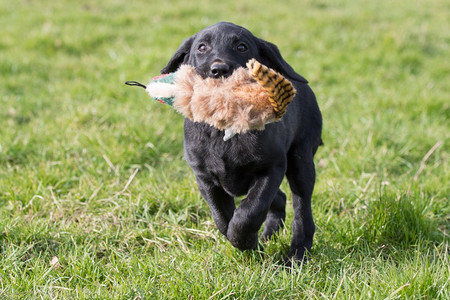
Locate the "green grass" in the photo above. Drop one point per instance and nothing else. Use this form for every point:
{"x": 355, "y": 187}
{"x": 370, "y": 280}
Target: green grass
{"x": 92, "y": 171}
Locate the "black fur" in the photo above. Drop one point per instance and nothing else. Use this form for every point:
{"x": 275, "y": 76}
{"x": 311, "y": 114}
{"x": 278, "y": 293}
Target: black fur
{"x": 255, "y": 163}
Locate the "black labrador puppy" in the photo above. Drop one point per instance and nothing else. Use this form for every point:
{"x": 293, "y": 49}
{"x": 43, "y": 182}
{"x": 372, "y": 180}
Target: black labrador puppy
{"x": 255, "y": 163}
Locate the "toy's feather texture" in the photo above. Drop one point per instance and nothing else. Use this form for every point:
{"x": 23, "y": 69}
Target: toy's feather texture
{"x": 237, "y": 102}
{"x": 279, "y": 89}
{"x": 247, "y": 99}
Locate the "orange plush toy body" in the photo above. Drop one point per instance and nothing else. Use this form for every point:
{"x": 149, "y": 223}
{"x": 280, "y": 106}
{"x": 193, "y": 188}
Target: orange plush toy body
{"x": 246, "y": 100}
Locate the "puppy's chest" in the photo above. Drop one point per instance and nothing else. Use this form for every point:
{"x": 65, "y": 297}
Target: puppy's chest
{"x": 233, "y": 173}
{"x": 228, "y": 160}
{"x": 226, "y": 165}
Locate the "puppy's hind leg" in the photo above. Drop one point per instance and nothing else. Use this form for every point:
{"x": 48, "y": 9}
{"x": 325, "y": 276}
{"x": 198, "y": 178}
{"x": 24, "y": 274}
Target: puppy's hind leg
{"x": 275, "y": 217}
{"x": 301, "y": 176}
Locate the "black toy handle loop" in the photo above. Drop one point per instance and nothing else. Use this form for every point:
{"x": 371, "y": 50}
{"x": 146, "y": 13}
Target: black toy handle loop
{"x": 135, "y": 83}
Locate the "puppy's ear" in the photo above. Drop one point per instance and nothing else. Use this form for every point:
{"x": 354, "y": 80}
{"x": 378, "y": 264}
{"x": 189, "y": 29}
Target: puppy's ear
{"x": 271, "y": 57}
{"x": 180, "y": 56}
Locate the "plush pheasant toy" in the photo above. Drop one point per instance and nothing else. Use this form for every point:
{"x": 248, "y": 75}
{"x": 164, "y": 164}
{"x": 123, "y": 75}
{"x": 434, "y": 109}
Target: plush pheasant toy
{"x": 248, "y": 99}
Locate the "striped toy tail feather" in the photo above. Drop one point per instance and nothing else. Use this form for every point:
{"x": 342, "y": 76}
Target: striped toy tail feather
{"x": 279, "y": 89}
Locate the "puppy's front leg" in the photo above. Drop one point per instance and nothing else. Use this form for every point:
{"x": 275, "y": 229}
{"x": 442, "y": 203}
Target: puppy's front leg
{"x": 220, "y": 203}
{"x": 249, "y": 216}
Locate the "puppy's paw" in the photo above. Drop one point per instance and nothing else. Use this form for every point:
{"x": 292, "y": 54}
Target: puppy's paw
{"x": 244, "y": 242}
{"x": 296, "y": 258}
{"x": 272, "y": 226}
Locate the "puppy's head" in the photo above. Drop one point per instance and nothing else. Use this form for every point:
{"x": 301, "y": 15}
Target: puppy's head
{"x": 218, "y": 50}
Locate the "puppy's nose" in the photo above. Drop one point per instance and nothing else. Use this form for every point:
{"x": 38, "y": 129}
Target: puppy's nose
{"x": 219, "y": 69}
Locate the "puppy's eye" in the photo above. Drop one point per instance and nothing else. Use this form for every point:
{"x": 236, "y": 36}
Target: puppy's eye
{"x": 202, "y": 48}
{"x": 242, "y": 47}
